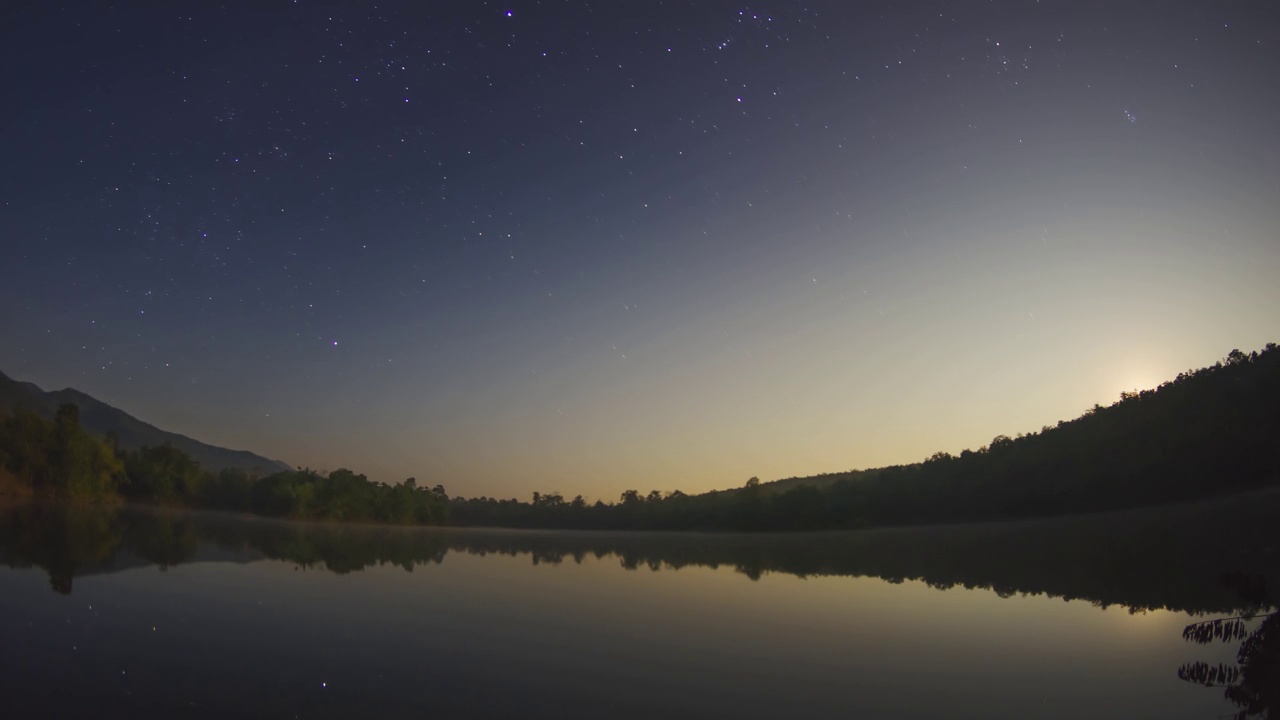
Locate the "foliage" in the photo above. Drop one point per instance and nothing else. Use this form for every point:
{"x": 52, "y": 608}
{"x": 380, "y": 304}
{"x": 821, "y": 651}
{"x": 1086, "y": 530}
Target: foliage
{"x": 58, "y": 457}
{"x": 1163, "y": 557}
{"x": 160, "y": 473}
{"x": 1208, "y": 432}
{"x": 1252, "y": 684}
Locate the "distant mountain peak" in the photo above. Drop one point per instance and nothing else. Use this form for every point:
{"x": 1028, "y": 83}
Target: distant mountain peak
{"x": 100, "y": 418}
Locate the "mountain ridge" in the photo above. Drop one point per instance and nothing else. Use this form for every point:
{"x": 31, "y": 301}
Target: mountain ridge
{"x": 101, "y": 418}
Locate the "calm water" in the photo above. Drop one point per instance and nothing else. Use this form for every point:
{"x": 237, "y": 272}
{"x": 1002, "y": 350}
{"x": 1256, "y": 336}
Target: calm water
{"x": 167, "y": 614}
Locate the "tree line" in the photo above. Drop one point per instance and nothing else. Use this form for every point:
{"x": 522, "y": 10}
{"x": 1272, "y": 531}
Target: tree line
{"x": 1159, "y": 557}
{"x": 1208, "y": 432}
{"x": 57, "y": 458}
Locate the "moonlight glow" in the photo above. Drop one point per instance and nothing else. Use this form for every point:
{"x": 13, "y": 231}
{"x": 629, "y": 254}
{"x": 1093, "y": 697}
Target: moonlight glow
{"x": 591, "y": 246}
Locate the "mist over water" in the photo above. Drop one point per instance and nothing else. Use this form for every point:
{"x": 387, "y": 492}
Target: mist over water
{"x": 196, "y": 614}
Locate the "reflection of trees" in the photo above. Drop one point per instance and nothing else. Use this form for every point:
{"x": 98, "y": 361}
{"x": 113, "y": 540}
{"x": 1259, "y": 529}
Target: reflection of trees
{"x": 1157, "y": 558}
{"x": 74, "y": 540}
{"x": 65, "y": 541}
{"x": 1252, "y": 684}
{"x": 165, "y": 540}
{"x": 337, "y": 548}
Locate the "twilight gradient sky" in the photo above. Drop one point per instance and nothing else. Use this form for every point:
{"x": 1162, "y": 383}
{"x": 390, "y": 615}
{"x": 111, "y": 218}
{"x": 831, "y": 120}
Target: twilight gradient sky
{"x": 586, "y": 247}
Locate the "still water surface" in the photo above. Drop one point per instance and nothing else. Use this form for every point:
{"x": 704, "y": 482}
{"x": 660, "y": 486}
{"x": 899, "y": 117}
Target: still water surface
{"x": 147, "y": 614}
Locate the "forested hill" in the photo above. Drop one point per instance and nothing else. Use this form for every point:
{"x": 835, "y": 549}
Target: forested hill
{"x": 1198, "y": 415}
{"x": 1212, "y": 431}
{"x": 102, "y": 419}
{"x": 1209, "y": 431}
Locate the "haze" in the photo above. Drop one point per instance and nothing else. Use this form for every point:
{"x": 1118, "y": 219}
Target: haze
{"x": 591, "y": 248}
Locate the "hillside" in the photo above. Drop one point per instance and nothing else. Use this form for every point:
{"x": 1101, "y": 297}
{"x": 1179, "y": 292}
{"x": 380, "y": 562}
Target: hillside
{"x": 1208, "y": 432}
{"x": 100, "y": 418}
{"x": 1228, "y": 406}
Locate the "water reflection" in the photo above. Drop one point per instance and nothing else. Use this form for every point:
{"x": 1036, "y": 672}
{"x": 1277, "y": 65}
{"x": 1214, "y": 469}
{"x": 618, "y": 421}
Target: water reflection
{"x": 857, "y": 645}
{"x": 1252, "y": 683}
{"x": 1163, "y": 558}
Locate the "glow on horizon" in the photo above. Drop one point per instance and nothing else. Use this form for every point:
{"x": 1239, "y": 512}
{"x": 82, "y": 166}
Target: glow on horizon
{"x": 548, "y": 251}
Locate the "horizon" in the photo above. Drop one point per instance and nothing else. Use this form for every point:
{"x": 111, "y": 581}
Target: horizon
{"x": 590, "y": 499}
{"x": 510, "y": 249}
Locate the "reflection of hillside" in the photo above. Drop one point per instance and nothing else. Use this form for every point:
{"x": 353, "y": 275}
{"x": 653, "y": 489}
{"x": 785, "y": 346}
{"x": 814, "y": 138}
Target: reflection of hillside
{"x": 1252, "y": 683}
{"x": 79, "y": 540}
{"x": 66, "y": 542}
{"x": 1161, "y": 557}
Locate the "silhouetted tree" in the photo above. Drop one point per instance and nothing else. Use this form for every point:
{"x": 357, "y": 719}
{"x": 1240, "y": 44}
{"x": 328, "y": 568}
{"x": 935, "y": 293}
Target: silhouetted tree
{"x": 1252, "y": 684}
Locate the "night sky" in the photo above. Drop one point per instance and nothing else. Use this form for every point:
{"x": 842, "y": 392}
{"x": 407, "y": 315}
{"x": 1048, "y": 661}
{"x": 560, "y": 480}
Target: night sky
{"x": 594, "y": 246}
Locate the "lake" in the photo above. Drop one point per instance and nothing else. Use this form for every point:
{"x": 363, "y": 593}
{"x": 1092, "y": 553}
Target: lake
{"x": 160, "y": 613}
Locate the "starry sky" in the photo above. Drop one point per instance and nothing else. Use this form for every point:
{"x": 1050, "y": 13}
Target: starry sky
{"x": 592, "y": 246}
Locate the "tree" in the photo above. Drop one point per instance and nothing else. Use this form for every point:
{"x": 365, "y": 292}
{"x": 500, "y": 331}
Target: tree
{"x": 25, "y": 441}
{"x": 1253, "y": 682}
{"x": 80, "y": 463}
{"x": 162, "y": 473}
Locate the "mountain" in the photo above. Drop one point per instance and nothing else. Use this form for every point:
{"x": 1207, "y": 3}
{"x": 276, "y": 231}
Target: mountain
{"x": 100, "y": 418}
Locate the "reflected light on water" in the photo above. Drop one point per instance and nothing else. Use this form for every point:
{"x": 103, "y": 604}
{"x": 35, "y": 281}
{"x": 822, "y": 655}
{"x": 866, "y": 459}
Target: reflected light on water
{"x": 131, "y": 608}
